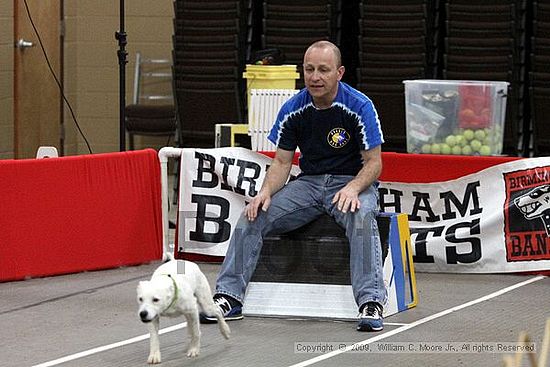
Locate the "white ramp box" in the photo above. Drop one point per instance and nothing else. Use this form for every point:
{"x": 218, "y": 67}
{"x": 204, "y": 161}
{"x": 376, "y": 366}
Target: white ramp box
{"x": 306, "y": 273}
{"x": 262, "y": 112}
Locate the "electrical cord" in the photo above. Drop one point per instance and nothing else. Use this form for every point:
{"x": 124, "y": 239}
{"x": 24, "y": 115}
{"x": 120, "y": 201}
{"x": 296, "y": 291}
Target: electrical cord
{"x": 55, "y": 77}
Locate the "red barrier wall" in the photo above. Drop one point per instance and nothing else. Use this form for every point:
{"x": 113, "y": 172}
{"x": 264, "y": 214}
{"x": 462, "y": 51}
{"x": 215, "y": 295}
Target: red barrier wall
{"x": 69, "y": 214}
{"x": 425, "y": 168}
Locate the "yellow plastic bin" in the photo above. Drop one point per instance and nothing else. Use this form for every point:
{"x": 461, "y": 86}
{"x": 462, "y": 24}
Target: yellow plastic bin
{"x": 270, "y": 77}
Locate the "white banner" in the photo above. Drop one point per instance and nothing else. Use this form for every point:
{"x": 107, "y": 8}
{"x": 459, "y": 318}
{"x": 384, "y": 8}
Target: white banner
{"x": 495, "y": 220}
{"x": 215, "y": 185}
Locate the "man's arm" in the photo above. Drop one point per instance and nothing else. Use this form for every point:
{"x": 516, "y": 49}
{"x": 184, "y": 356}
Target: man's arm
{"x": 348, "y": 197}
{"x": 275, "y": 179}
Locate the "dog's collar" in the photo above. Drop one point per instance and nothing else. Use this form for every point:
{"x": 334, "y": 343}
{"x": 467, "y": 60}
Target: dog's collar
{"x": 174, "y": 299}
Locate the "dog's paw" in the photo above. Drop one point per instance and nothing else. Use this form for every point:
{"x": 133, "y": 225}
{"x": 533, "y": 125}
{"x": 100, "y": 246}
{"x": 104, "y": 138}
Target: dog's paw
{"x": 154, "y": 358}
{"x": 193, "y": 352}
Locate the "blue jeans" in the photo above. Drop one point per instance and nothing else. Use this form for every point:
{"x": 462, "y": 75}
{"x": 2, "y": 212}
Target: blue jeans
{"x": 296, "y": 204}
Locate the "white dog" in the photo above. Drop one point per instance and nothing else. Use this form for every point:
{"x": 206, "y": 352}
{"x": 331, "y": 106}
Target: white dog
{"x": 175, "y": 289}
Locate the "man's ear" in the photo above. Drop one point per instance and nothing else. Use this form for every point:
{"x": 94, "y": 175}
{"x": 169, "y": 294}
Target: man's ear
{"x": 341, "y": 71}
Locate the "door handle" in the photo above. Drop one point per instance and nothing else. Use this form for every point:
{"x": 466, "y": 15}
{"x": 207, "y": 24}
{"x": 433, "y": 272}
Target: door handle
{"x": 22, "y": 44}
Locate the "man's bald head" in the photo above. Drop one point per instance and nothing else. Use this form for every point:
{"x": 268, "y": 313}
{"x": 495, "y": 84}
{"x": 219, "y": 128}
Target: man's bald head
{"x": 328, "y": 45}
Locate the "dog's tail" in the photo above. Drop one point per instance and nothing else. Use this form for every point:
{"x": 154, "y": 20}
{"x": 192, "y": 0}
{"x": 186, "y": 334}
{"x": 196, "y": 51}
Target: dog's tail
{"x": 224, "y": 328}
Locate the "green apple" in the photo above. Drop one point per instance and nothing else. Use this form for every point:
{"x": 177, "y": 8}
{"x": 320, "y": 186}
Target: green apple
{"x": 476, "y": 145}
{"x": 445, "y": 149}
{"x": 467, "y": 150}
{"x": 480, "y": 134}
{"x": 426, "y": 148}
{"x": 469, "y": 134}
{"x": 451, "y": 140}
{"x": 457, "y": 150}
{"x": 436, "y": 148}
{"x": 485, "y": 150}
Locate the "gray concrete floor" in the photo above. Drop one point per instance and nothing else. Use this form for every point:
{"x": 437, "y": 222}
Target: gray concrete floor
{"x": 90, "y": 319}
{"x": 51, "y": 318}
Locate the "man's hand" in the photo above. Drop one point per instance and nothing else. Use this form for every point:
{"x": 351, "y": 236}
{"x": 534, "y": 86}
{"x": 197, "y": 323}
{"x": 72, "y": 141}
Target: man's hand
{"x": 260, "y": 201}
{"x": 347, "y": 199}
{"x": 275, "y": 179}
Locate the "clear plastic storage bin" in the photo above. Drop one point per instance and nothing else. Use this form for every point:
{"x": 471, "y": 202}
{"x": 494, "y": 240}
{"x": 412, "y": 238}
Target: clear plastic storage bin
{"x": 455, "y": 116}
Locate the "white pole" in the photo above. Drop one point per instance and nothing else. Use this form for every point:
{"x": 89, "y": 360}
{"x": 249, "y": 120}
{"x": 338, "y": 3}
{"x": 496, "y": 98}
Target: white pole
{"x": 253, "y": 118}
{"x": 164, "y": 154}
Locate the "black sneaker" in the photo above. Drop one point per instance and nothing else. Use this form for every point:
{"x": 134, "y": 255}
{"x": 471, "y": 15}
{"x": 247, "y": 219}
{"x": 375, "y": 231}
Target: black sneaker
{"x": 370, "y": 318}
{"x": 231, "y": 310}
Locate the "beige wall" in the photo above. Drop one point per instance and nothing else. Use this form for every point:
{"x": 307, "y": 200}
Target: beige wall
{"x": 6, "y": 79}
{"x": 92, "y": 70}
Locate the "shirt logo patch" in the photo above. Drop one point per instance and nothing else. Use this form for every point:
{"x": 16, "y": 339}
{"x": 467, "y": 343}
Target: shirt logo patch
{"x": 338, "y": 137}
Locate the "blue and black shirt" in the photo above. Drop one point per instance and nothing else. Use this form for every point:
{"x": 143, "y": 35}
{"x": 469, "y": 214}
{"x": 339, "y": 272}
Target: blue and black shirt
{"x": 330, "y": 140}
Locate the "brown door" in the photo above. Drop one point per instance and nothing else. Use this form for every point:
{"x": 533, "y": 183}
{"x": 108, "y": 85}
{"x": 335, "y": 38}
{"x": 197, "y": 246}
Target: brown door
{"x": 37, "y": 96}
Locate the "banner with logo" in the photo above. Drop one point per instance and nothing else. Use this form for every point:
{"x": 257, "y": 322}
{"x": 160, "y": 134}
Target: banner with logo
{"x": 494, "y": 220}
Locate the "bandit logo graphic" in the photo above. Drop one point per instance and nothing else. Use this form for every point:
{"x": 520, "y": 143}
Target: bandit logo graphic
{"x": 338, "y": 137}
{"x": 527, "y": 214}
{"x": 536, "y": 204}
